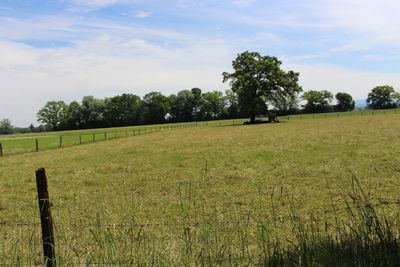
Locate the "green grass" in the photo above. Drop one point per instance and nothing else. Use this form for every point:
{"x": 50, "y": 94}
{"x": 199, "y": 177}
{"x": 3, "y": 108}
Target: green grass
{"x": 231, "y": 195}
{"x": 22, "y": 143}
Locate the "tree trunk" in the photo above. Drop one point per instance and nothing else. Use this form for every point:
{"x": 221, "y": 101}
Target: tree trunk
{"x": 252, "y": 118}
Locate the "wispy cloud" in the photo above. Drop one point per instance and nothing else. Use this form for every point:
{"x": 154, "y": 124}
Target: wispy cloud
{"x": 142, "y": 14}
{"x": 336, "y": 45}
{"x": 5, "y": 8}
{"x": 93, "y": 3}
{"x": 243, "y": 3}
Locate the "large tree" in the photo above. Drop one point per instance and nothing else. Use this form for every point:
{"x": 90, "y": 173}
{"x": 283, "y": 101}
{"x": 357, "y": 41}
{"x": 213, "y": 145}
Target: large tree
{"x": 345, "y": 102}
{"x": 259, "y": 81}
{"x": 317, "y": 101}
{"x": 382, "y": 97}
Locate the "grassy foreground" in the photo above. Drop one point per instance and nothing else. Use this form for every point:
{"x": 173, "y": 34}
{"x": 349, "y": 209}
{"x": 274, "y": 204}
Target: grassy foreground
{"x": 269, "y": 194}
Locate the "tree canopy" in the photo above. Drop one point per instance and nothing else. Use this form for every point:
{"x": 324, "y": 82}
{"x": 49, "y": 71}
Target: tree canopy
{"x": 54, "y": 114}
{"x": 258, "y": 81}
{"x": 6, "y": 127}
{"x": 317, "y": 101}
{"x": 156, "y": 107}
{"x": 382, "y": 97}
{"x": 345, "y": 102}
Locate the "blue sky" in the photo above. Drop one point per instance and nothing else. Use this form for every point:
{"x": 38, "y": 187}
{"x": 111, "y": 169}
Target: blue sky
{"x": 65, "y": 49}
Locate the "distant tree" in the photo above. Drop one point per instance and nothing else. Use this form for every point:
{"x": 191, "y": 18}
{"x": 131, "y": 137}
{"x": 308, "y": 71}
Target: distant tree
{"x": 53, "y": 114}
{"x": 396, "y": 97}
{"x": 287, "y": 105}
{"x": 197, "y": 102}
{"x": 92, "y": 112}
{"x": 212, "y": 105}
{"x": 317, "y": 101}
{"x": 6, "y": 127}
{"x": 232, "y": 108}
{"x": 382, "y": 97}
{"x": 258, "y": 81}
{"x": 73, "y": 116}
{"x": 155, "y": 107}
{"x": 123, "y": 110}
{"x": 345, "y": 102}
{"x": 184, "y": 105}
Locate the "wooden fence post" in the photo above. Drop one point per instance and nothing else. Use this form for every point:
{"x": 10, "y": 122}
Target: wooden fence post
{"x": 45, "y": 218}
{"x": 94, "y": 137}
{"x": 80, "y": 139}
{"x": 105, "y": 135}
{"x": 1, "y": 150}
{"x": 37, "y": 145}
{"x": 60, "y": 140}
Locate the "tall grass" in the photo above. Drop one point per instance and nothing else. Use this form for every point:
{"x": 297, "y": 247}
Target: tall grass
{"x": 363, "y": 237}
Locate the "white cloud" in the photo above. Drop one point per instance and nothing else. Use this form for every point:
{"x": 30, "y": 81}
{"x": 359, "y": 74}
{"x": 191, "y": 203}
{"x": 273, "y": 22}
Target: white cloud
{"x": 243, "y": 3}
{"x": 104, "y": 66}
{"x": 105, "y": 58}
{"x": 142, "y": 14}
{"x": 5, "y": 8}
{"x": 93, "y": 3}
{"x": 335, "y": 79}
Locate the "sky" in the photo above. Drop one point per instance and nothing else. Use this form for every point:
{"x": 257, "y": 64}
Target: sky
{"x": 66, "y": 49}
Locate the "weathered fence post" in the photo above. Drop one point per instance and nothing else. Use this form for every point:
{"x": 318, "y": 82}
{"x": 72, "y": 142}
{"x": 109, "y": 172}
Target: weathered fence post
{"x": 105, "y": 135}
{"x": 1, "y": 150}
{"x": 45, "y": 218}
{"x": 60, "y": 140}
{"x": 37, "y": 145}
{"x": 80, "y": 139}
{"x": 93, "y": 137}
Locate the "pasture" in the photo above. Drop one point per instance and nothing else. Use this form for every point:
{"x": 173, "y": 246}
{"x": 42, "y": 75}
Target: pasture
{"x": 221, "y": 195}
{"x": 34, "y": 142}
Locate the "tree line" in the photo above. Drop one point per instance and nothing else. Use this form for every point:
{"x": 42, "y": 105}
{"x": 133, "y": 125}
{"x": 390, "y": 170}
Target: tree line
{"x": 258, "y": 87}
{"x": 186, "y": 105}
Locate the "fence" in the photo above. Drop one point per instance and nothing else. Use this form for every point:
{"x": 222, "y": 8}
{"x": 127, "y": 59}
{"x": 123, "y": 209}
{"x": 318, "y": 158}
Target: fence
{"x": 23, "y": 145}
{"x": 47, "y": 223}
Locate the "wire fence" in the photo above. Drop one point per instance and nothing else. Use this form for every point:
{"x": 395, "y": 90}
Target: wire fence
{"x": 381, "y": 202}
{"x": 179, "y": 224}
{"x": 12, "y": 146}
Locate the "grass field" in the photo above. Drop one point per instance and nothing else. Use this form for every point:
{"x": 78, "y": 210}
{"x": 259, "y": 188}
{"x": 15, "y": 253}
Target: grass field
{"x": 33, "y": 142}
{"x": 223, "y": 195}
